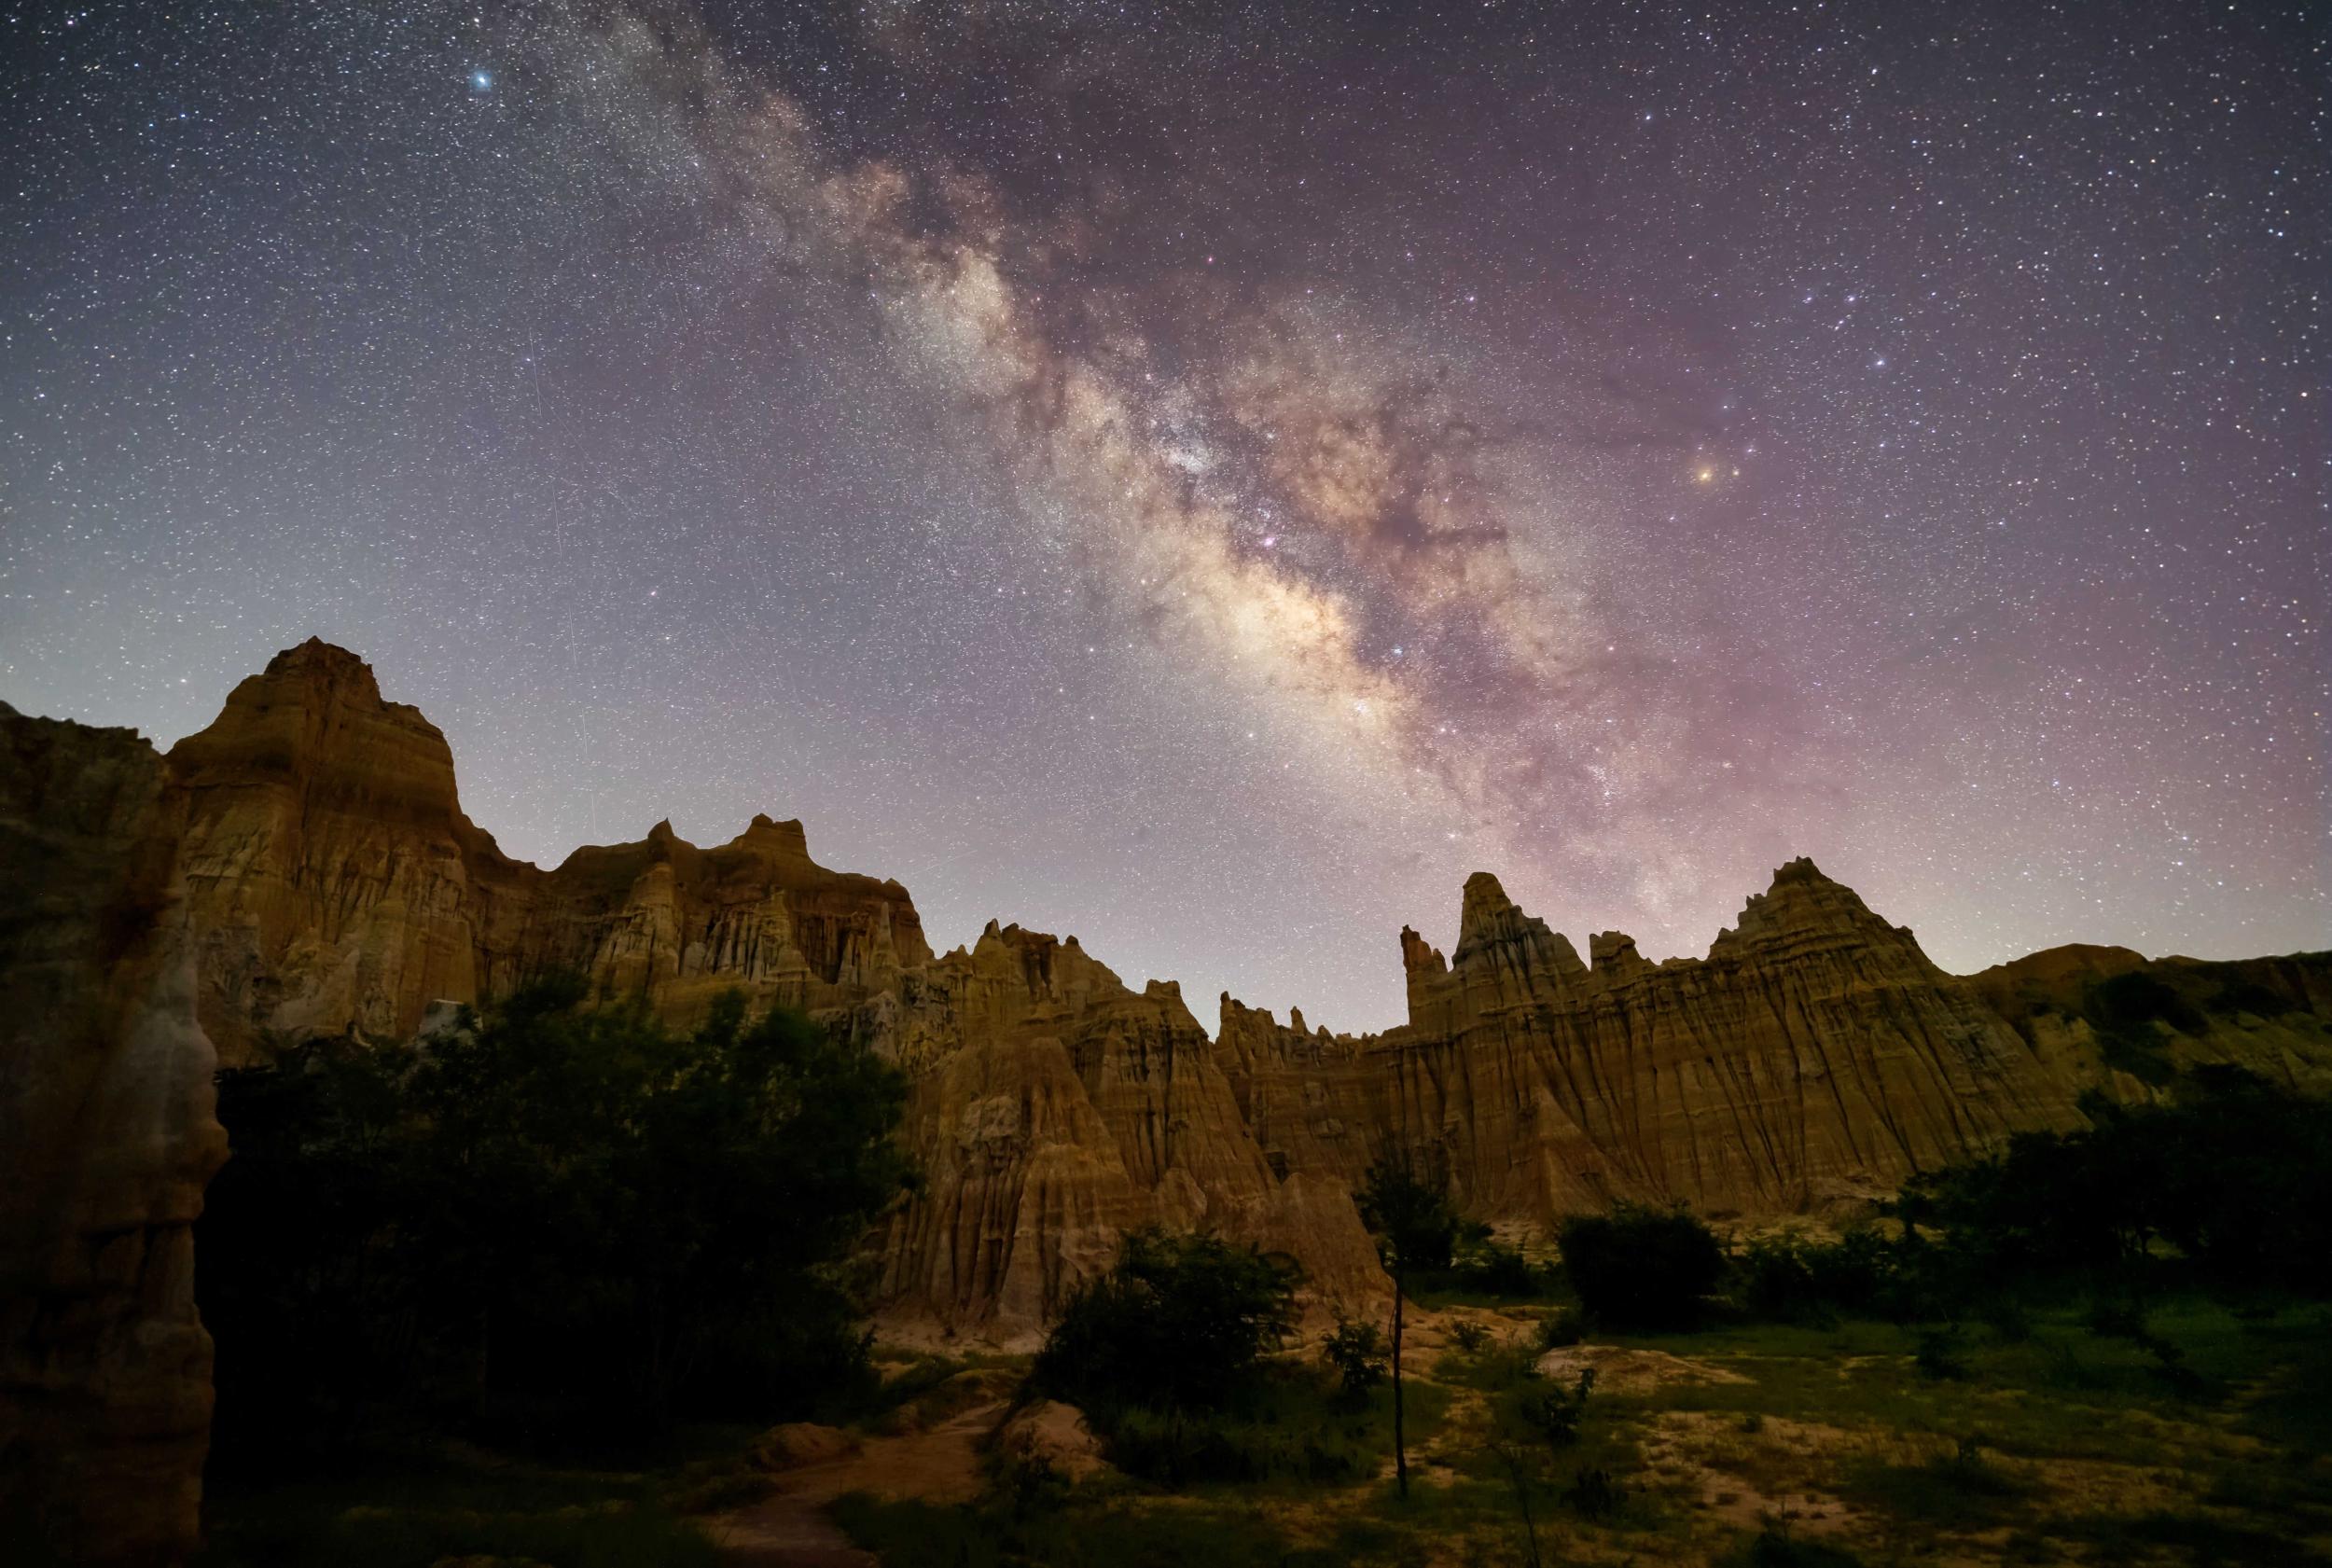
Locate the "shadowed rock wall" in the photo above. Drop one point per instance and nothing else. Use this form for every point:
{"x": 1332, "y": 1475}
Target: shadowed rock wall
{"x": 106, "y": 1141}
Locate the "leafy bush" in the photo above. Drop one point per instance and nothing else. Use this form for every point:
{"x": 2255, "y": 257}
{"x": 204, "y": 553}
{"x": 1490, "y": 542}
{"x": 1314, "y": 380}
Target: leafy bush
{"x": 1775, "y": 1282}
{"x": 1180, "y": 1322}
{"x": 1788, "y": 1279}
{"x": 1639, "y": 1266}
{"x": 1469, "y": 1337}
{"x": 1560, "y": 1328}
{"x": 1487, "y": 1268}
{"x": 1357, "y": 1352}
{"x": 1557, "y": 1413}
{"x": 2006, "y": 1316}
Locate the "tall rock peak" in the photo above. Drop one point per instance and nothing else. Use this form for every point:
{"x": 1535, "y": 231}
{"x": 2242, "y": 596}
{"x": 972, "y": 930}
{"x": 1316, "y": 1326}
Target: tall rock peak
{"x": 787, "y": 838}
{"x": 324, "y": 662}
{"x": 1416, "y": 954}
{"x": 1484, "y": 908}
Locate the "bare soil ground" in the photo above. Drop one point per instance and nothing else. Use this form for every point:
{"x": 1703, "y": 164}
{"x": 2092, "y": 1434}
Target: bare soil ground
{"x": 789, "y": 1528}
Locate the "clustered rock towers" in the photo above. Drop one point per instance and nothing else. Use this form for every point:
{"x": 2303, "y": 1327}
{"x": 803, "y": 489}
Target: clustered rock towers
{"x": 304, "y": 868}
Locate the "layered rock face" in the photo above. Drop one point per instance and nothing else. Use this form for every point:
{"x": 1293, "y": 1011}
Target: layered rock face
{"x": 1814, "y": 1055}
{"x": 106, "y": 1141}
{"x": 304, "y": 868}
{"x": 1054, "y": 1110}
{"x": 336, "y": 884}
{"x": 2267, "y": 1016}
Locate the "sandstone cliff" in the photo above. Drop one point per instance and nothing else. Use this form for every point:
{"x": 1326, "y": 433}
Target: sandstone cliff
{"x": 303, "y": 866}
{"x": 1054, "y": 1110}
{"x": 338, "y": 886}
{"x": 1814, "y": 1055}
{"x": 106, "y": 1141}
{"x": 2117, "y": 1021}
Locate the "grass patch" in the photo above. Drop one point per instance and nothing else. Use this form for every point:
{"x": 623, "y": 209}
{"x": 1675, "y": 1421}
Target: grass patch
{"x": 1957, "y": 1490}
{"x": 1088, "y": 1534}
{"x": 2061, "y": 1391}
{"x": 1294, "y": 1426}
{"x": 1774, "y": 1547}
{"x": 2198, "y": 1540}
{"x": 410, "y": 1512}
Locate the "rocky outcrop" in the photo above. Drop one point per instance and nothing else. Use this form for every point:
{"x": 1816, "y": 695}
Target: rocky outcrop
{"x": 2114, "y": 1020}
{"x": 304, "y": 868}
{"x": 1055, "y": 1109}
{"x": 106, "y": 1141}
{"x": 1814, "y": 1057}
{"x": 338, "y": 886}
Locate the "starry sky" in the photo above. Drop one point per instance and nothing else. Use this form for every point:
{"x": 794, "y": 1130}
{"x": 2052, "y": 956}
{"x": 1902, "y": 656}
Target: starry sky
{"x": 1209, "y": 477}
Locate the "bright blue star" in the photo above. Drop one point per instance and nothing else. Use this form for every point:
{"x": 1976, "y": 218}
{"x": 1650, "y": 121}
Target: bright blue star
{"x": 481, "y": 81}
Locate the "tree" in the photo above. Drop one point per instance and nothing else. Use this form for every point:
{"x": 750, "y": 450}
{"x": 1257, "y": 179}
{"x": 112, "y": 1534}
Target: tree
{"x": 660, "y": 1196}
{"x": 1416, "y": 1232}
{"x": 564, "y": 1201}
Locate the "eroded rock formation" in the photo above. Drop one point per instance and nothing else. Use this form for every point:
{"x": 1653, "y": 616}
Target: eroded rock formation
{"x": 336, "y": 884}
{"x": 2113, "y": 1019}
{"x": 1054, "y": 1110}
{"x": 1814, "y": 1055}
{"x": 106, "y": 1141}
{"x": 304, "y": 868}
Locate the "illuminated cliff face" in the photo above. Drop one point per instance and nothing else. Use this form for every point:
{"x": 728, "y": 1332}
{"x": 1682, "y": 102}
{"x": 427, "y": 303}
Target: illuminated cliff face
{"x": 1814, "y": 1057}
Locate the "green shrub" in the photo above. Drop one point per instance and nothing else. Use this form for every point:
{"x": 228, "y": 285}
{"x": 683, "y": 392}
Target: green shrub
{"x": 1180, "y": 1322}
{"x": 1641, "y": 1268}
{"x": 1557, "y": 1413}
{"x": 1488, "y": 1269}
{"x": 1775, "y": 1282}
{"x": 1560, "y": 1328}
{"x": 1469, "y": 1337}
{"x": 1357, "y": 1352}
{"x": 1788, "y": 1279}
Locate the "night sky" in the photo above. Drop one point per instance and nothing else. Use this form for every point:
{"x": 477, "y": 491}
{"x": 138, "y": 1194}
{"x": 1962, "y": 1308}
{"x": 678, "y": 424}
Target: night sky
{"x": 1208, "y": 477}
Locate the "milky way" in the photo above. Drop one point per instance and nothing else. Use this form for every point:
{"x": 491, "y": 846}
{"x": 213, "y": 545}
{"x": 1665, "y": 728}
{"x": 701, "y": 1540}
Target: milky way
{"x": 1207, "y": 479}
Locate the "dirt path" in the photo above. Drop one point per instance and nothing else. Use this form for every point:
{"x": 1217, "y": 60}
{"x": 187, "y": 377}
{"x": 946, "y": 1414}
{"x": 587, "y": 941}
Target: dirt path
{"x": 789, "y": 1528}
